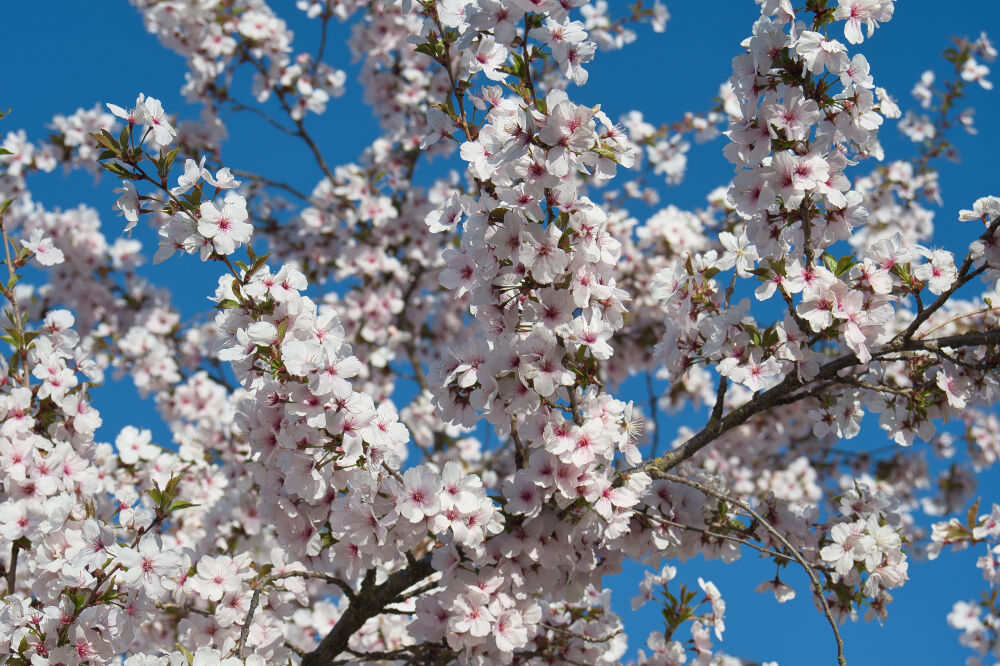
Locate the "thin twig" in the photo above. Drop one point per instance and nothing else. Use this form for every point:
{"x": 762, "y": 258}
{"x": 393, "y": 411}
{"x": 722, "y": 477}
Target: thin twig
{"x": 582, "y": 637}
{"x": 905, "y": 392}
{"x": 796, "y": 317}
{"x": 957, "y": 317}
{"x": 273, "y": 183}
{"x": 720, "y": 399}
{"x": 9, "y": 292}
{"x": 959, "y": 362}
{"x": 518, "y": 446}
{"x": 527, "y": 64}
{"x": 455, "y": 88}
{"x": 177, "y": 608}
{"x": 15, "y": 550}
{"x": 575, "y": 407}
{"x": 780, "y": 537}
{"x": 396, "y": 475}
{"x": 300, "y": 129}
{"x": 965, "y": 275}
{"x": 239, "y": 106}
{"x": 322, "y": 36}
{"x": 245, "y": 630}
{"x": 404, "y": 323}
{"x": 727, "y": 537}
{"x": 653, "y": 414}
{"x": 807, "y": 246}
{"x": 255, "y": 599}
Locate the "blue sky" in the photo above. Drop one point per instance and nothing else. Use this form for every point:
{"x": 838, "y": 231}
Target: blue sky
{"x": 66, "y": 55}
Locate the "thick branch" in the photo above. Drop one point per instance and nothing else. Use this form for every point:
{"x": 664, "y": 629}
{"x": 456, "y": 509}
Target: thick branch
{"x": 777, "y": 395}
{"x": 370, "y": 601}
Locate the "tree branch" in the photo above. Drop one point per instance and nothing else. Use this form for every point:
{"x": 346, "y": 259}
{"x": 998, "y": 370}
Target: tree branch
{"x": 518, "y": 445}
{"x": 255, "y": 599}
{"x": 15, "y": 550}
{"x": 327, "y": 14}
{"x": 965, "y": 274}
{"x": 370, "y": 601}
{"x": 728, "y": 537}
{"x": 653, "y": 413}
{"x": 583, "y": 637}
{"x": 778, "y": 394}
{"x": 267, "y": 182}
{"x": 784, "y": 542}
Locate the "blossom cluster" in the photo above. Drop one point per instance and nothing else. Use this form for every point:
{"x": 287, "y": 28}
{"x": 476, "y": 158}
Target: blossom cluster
{"x": 407, "y": 434}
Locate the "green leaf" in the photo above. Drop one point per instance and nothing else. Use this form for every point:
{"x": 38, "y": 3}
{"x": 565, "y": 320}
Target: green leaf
{"x": 187, "y": 653}
{"x": 172, "y": 485}
{"x": 534, "y": 20}
{"x": 5, "y": 205}
{"x": 79, "y": 599}
{"x": 519, "y": 68}
{"x": 770, "y": 337}
{"x": 156, "y": 494}
{"x": 446, "y": 107}
{"x": 14, "y": 335}
{"x": 181, "y": 504}
{"x": 845, "y": 264}
{"x": 168, "y": 160}
{"x": 227, "y": 304}
{"x": 434, "y": 50}
{"x": 104, "y": 138}
{"x": 116, "y": 169}
{"x": 257, "y": 265}
{"x": 193, "y": 198}
{"x": 604, "y": 152}
{"x": 973, "y": 515}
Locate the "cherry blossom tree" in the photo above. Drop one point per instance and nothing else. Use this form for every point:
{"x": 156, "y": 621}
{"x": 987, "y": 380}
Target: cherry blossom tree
{"x": 404, "y": 436}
